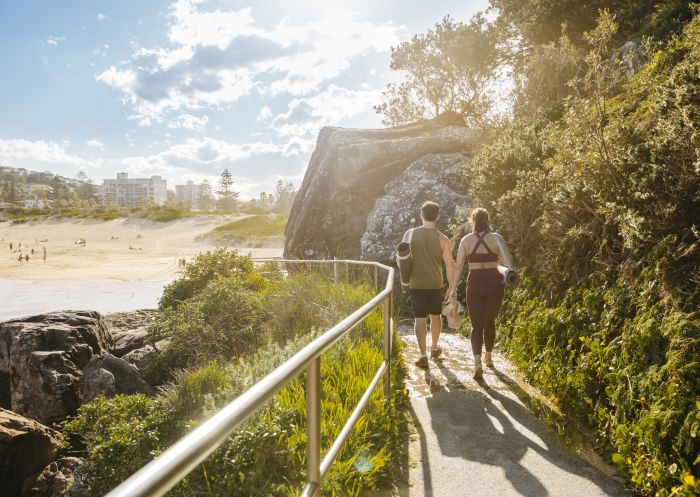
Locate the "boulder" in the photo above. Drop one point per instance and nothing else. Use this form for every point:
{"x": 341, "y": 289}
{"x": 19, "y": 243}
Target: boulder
{"x": 141, "y": 358}
{"x": 432, "y": 177}
{"x": 629, "y": 58}
{"x": 129, "y": 329}
{"x": 350, "y": 169}
{"x": 26, "y": 447}
{"x": 58, "y": 479}
{"x": 109, "y": 376}
{"x": 41, "y": 357}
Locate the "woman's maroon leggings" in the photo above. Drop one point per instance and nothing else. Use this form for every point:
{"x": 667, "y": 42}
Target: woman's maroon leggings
{"x": 484, "y": 297}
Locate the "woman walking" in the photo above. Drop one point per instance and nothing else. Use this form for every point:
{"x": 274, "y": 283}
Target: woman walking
{"x": 484, "y": 251}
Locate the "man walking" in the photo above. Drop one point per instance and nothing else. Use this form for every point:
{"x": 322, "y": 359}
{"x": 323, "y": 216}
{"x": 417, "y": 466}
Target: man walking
{"x": 429, "y": 250}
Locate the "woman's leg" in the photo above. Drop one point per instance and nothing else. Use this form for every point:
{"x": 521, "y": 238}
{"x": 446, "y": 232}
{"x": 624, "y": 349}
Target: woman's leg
{"x": 475, "y": 306}
{"x": 492, "y": 304}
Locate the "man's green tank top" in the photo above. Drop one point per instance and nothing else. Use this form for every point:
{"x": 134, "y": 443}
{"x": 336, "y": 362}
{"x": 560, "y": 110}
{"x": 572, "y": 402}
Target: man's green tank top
{"x": 426, "y": 258}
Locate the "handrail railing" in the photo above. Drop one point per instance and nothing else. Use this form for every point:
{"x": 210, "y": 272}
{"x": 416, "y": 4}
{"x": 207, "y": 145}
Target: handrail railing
{"x": 165, "y": 471}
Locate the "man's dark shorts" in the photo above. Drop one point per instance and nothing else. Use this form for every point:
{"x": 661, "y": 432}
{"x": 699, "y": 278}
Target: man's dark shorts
{"x": 426, "y": 302}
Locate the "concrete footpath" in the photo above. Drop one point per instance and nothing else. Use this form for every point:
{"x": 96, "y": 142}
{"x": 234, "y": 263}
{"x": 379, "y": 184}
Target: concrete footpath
{"x": 477, "y": 439}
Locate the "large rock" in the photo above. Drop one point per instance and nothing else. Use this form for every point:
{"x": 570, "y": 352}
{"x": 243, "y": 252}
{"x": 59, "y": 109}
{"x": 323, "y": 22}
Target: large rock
{"x": 129, "y": 329}
{"x": 629, "y": 58}
{"x": 42, "y": 357}
{"x": 26, "y": 447}
{"x": 432, "y": 177}
{"x": 350, "y": 169}
{"x": 58, "y": 479}
{"x": 109, "y": 376}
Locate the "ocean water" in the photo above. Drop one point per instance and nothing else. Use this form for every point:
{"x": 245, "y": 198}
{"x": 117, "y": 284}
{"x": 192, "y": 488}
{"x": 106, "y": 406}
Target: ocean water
{"x": 24, "y": 298}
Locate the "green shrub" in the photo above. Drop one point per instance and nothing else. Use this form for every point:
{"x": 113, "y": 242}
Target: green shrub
{"x": 201, "y": 270}
{"x": 220, "y": 321}
{"x": 267, "y": 455}
{"x": 258, "y": 227}
{"x": 616, "y": 356}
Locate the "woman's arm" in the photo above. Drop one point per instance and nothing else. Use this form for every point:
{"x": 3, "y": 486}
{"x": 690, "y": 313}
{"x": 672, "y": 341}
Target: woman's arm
{"x": 506, "y": 258}
{"x": 459, "y": 267}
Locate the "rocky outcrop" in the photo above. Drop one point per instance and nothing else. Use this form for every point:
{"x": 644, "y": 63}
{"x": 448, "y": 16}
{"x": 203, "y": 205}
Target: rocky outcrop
{"x": 351, "y": 168}
{"x": 141, "y": 358}
{"x": 129, "y": 329}
{"x": 629, "y": 58}
{"x": 26, "y": 447}
{"x": 58, "y": 479}
{"x": 109, "y": 376}
{"x": 42, "y": 357}
{"x": 432, "y": 177}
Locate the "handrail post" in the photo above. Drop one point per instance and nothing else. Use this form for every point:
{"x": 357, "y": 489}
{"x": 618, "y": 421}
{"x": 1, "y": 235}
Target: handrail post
{"x": 313, "y": 424}
{"x": 387, "y": 345}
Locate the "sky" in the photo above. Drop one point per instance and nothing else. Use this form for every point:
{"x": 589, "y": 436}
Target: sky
{"x": 187, "y": 88}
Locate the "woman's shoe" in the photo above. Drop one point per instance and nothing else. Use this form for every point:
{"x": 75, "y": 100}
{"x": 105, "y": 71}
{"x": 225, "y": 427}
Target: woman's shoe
{"x": 478, "y": 373}
{"x": 488, "y": 360}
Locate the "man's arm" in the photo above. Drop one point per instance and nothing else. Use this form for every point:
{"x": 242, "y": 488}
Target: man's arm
{"x": 448, "y": 260}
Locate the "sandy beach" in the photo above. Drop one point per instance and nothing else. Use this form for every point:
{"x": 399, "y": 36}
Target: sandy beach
{"x": 120, "y": 249}
{"x": 122, "y": 266}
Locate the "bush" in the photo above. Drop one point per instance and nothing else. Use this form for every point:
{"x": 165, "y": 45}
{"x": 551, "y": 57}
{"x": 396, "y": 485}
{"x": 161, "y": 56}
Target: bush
{"x": 204, "y": 268}
{"x": 267, "y": 455}
{"x": 220, "y": 321}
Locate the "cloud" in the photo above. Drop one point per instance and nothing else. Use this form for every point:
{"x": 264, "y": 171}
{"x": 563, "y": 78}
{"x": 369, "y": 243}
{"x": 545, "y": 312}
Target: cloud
{"x": 255, "y": 166}
{"x": 188, "y": 121}
{"x": 264, "y": 114}
{"x": 215, "y": 57}
{"x": 46, "y": 152}
{"x": 305, "y": 116}
{"x": 55, "y": 40}
{"x": 100, "y": 51}
{"x": 94, "y": 143}
{"x": 102, "y": 17}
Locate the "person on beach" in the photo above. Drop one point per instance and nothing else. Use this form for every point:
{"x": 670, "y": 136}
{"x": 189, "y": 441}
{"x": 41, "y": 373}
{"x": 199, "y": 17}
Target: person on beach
{"x": 483, "y": 250}
{"x": 429, "y": 250}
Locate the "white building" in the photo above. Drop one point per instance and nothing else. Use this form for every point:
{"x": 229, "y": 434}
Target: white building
{"x": 188, "y": 194}
{"x": 135, "y": 192}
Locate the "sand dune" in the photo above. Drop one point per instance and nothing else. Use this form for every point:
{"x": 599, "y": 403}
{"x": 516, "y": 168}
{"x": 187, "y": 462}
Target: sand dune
{"x": 121, "y": 249}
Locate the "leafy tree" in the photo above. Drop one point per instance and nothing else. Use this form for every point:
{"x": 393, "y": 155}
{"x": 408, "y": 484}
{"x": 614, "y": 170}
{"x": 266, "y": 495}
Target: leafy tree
{"x": 284, "y": 195}
{"x": 448, "y": 68}
{"x": 86, "y": 189}
{"x": 205, "y": 200}
{"x": 227, "y": 197}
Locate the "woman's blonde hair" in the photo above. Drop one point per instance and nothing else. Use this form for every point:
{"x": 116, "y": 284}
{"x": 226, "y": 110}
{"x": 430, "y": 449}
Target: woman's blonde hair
{"x": 480, "y": 220}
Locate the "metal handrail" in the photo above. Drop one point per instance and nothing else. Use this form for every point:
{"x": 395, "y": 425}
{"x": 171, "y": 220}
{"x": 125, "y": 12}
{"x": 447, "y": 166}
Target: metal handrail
{"x": 165, "y": 471}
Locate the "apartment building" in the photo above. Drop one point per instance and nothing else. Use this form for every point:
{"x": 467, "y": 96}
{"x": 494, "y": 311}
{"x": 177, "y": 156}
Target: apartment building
{"x": 188, "y": 194}
{"x": 134, "y": 192}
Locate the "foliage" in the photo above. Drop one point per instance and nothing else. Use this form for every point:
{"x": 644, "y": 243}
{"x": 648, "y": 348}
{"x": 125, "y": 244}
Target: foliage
{"x": 615, "y": 355}
{"x": 203, "y": 269}
{"x": 161, "y": 214}
{"x": 446, "y": 69}
{"x": 258, "y": 227}
{"x": 122, "y": 434}
{"x": 220, "y": 321}
{"x": 228, "y": 198}
{"x": 600, "y": 200}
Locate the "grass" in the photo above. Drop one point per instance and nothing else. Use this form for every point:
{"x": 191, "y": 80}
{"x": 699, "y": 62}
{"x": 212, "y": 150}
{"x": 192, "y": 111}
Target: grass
{"x": 258, "y": 227}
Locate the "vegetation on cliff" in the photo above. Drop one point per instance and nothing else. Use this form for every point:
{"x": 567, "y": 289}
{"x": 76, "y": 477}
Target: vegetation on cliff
{"x": 593, "y": 178}
{"x": 229, "y": 324}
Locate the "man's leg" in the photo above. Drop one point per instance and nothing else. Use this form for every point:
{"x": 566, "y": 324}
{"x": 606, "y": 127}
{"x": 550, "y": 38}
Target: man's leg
{"x": 435, "y": 330}
{"x": 420, "y": 330}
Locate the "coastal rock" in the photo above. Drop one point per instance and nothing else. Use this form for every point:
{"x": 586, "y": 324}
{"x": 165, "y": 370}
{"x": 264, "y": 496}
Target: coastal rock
{"x": 109, "y": 376}
{"x": 629, "y": 58}
{"x": 41, "y": 357}
{"x": 432, "y": 177}
{"x": 126, "y": 341}
{"x": 129, "y": 329}
{"x": 141, "y": 358}
{"x": 58, "y": 479}
{"x": 26, "y": 447}
{"x": 350, "y": 169}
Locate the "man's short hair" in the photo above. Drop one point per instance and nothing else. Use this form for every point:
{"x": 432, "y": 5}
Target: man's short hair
{"x": 430, "y": 211}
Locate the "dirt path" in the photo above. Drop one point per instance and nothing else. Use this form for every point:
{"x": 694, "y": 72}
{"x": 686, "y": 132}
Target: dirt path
{"x": 478, "y": 439}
